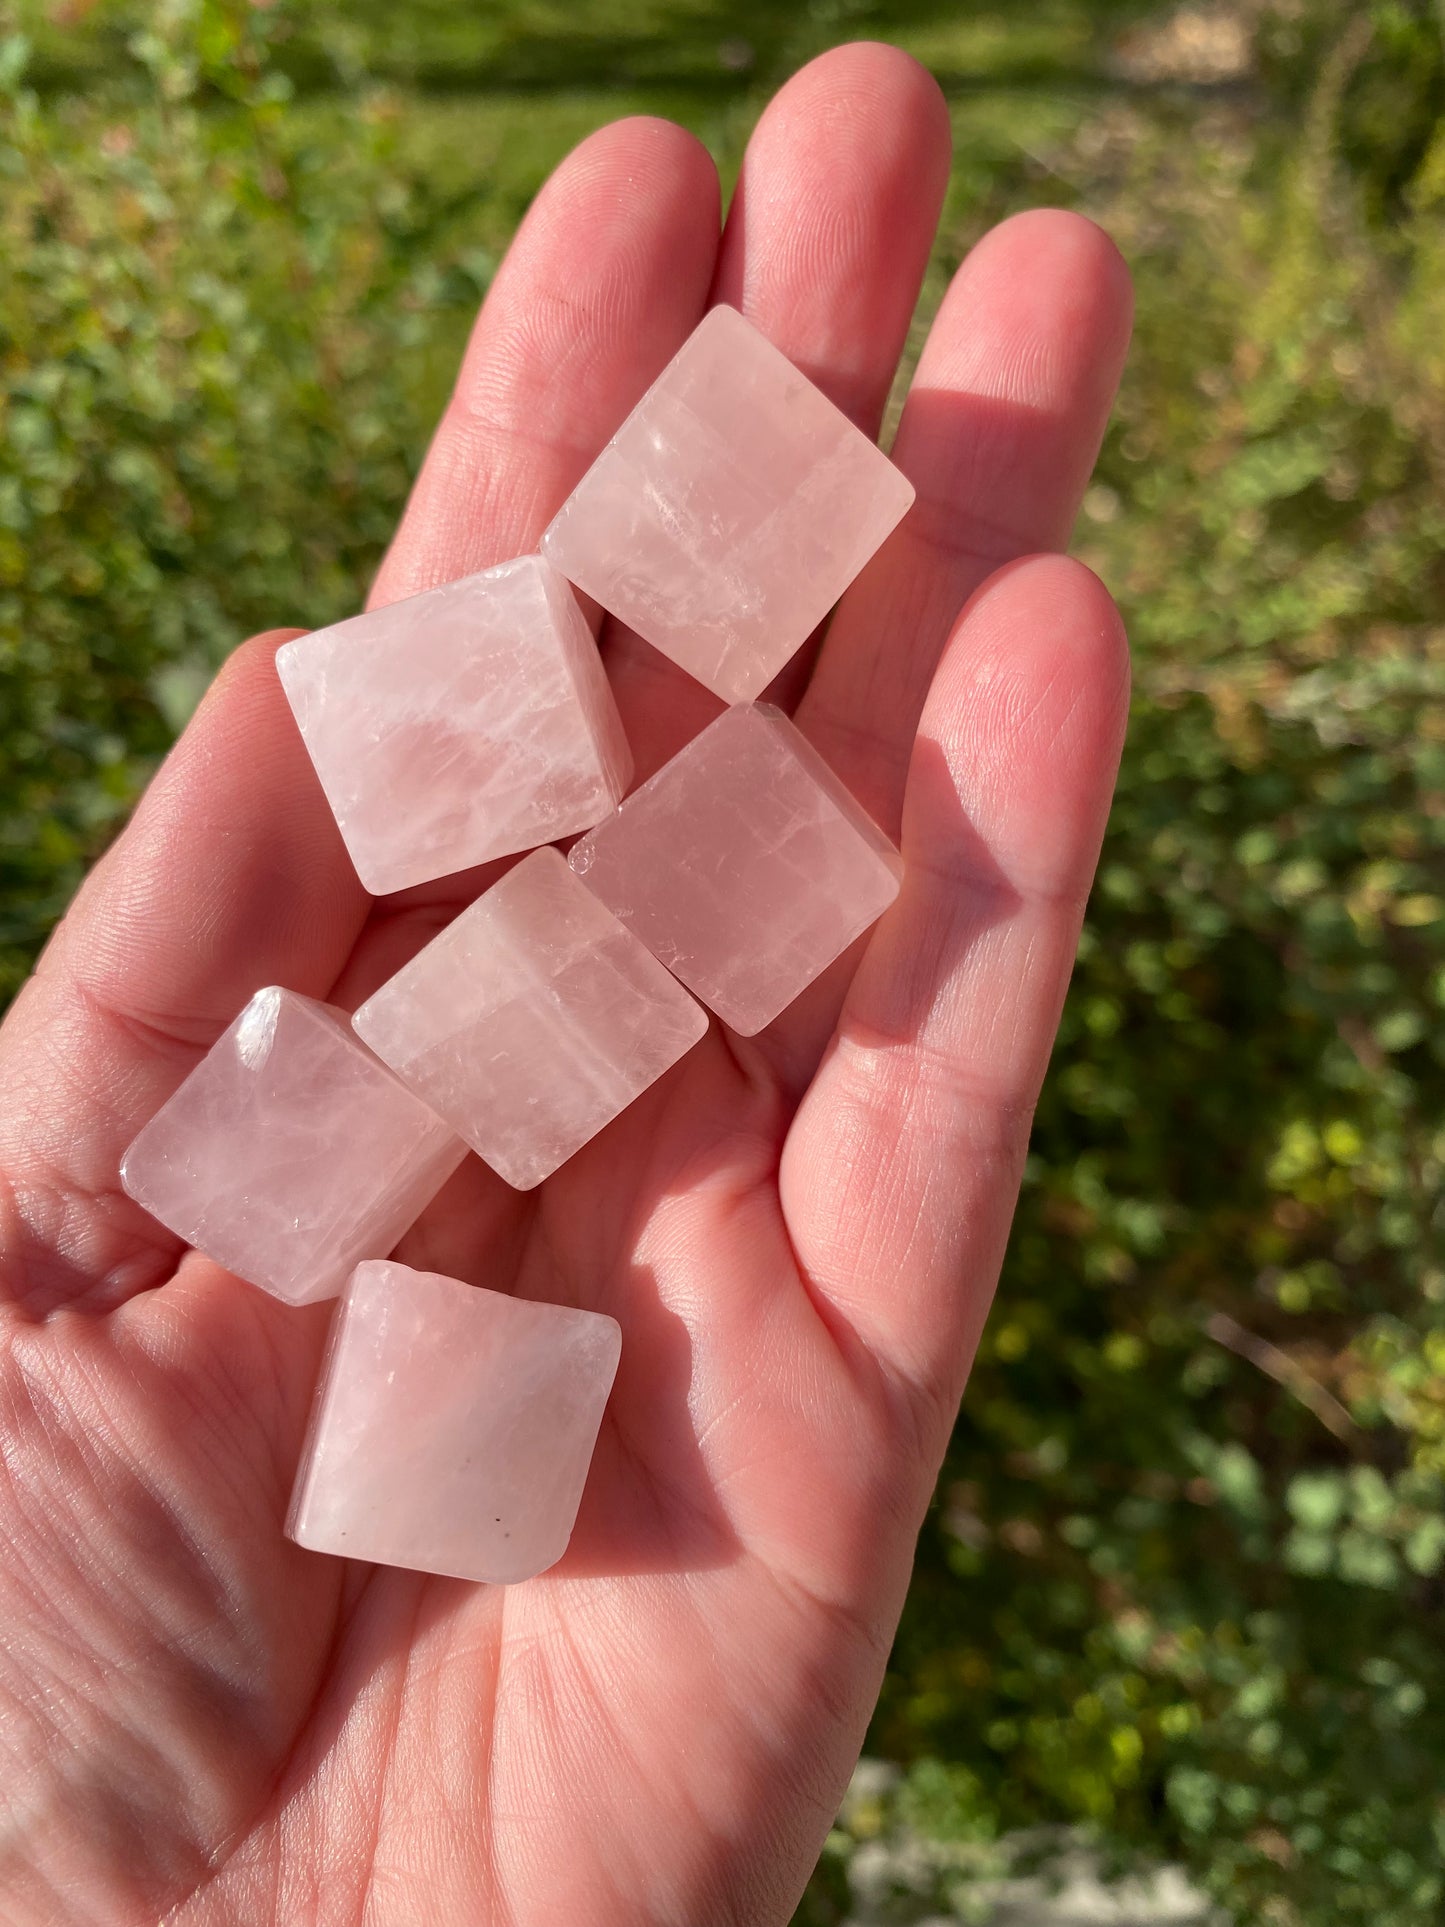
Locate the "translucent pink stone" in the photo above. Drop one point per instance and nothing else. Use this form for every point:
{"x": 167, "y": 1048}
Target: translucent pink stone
{"x": 452, "y": 1428}
{"x": 730, "y": 510}
{"x": 743, "y": 864}
{"x": 532, "y": 1020}
{"x": 460, "y": 725}
{"x": 289, "y": 1153}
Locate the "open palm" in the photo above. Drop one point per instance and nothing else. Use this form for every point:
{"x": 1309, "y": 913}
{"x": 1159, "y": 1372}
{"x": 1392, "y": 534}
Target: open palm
{"x": 799, "y": 1233}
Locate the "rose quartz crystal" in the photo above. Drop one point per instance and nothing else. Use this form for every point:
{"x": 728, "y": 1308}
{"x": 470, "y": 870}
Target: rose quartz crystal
{"x": 452, "y": 1428}
{"x": 290, "y": 1153}
{"x": 743, "y": 864}
{"x": 532, "y": 1020}
{"x": 460, "y": 725}
{"x": 730, "y": 511}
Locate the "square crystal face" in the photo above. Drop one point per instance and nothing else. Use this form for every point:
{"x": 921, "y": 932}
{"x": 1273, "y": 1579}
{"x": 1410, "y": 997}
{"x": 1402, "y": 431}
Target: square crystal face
{"x": 744, "y": 864}
{"x": 532, "y": 1020}
{"x": 289, "y": 1153}
{"x": 453, "y": 1427}
{"x": 460, "y": 725}
{"x": 730, "y": 511}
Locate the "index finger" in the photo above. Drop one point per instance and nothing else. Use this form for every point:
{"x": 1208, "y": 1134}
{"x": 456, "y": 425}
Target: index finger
{"x": 606, "y": 277}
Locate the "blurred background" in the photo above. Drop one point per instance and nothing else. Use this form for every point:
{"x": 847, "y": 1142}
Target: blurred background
{"x": 1179, "y": 1603}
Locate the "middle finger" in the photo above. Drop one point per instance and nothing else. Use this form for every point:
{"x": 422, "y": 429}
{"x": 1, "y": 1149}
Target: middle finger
{"x": 825, "y": 249}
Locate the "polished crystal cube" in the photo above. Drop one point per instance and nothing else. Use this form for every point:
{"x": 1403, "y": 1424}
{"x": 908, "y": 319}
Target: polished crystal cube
{"x": 453, "y": 1427}
{"x": 464, "y": 724}
{"x": 744, "y": 865}
{"x": 532, "y": 1020}
{"x": 730, "y": 510}
{"x": 289, "y": 1153}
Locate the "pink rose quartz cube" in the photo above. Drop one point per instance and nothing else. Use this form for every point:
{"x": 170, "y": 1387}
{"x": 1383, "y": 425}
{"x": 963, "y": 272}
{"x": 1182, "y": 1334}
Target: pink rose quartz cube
{"x": 453, "y": 1427}
{"x": 289, "y": 1153}
{"x": 743, "y": 864}
{"x": 532, "y": 1020}
{"x": 460, "y": 725}
{"x": 730, "y": 510}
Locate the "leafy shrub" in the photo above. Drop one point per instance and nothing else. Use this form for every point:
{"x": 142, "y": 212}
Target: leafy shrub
{"x": 203, "y": 431}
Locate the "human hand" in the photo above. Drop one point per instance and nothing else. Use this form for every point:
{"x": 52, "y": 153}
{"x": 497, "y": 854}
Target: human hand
{"x": 799, "y": 1233}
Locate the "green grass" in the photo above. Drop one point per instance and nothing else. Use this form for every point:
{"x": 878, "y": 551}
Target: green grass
{"x": 1183, "y": 1583}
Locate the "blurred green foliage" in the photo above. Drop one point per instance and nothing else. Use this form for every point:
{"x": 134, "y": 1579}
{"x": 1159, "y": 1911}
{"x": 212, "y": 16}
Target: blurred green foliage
{"x": 1184, "y": 1580}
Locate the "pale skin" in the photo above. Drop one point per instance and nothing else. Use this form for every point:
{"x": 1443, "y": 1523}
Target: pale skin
{"x": 800, "y": 1233}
